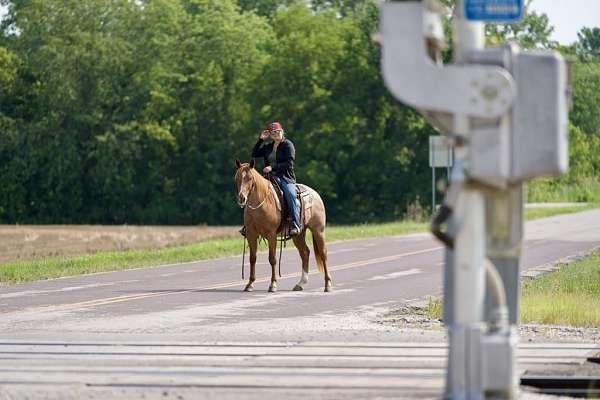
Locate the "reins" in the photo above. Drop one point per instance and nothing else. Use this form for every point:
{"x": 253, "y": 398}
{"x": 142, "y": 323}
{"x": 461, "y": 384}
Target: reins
{"x": 282, "y": 240}
{"x": 258, "y": 206}
{"x": 243, "y": 257}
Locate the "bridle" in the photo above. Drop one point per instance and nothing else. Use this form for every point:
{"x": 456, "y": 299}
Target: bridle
{"x": 248, "y": 201}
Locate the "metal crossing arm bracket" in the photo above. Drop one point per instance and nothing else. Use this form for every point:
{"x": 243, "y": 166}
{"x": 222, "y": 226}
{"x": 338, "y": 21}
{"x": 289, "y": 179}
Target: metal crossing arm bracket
{"x": 471, "y": 90}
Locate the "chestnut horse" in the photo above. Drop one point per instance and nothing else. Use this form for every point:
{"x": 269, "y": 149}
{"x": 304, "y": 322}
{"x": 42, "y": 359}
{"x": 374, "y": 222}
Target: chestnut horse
{"x": 262, "y": 218}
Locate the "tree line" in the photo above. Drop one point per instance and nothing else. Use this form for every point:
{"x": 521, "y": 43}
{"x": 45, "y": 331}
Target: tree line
{"x": 120, "y": 111}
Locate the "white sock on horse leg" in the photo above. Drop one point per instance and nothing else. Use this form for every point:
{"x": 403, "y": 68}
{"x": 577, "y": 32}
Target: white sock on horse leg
{"x": 303, "y": 279}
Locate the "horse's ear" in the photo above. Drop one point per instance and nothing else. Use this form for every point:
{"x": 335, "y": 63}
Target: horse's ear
{"x": 252, "y": 163}
{"x": 238, "y": 164}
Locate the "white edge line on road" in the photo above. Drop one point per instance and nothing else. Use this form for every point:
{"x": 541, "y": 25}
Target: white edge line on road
{"x": 398, "y": 274}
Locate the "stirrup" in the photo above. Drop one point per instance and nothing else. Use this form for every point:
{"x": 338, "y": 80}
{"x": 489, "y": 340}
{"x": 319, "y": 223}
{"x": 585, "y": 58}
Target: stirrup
{"x": 294, "y": 230}
{"x": 243, "y": 231}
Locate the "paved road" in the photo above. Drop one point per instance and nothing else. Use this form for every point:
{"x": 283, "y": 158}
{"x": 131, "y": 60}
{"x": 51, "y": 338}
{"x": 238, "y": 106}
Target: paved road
{"x": 197, "y": 304}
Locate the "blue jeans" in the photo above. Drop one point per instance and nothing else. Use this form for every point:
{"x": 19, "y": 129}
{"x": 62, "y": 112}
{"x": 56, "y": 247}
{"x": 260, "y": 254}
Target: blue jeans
{"x": 289, "y": 191}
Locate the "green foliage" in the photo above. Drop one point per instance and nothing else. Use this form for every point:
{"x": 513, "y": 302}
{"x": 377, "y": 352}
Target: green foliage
{"x": 581, "y": 183}
{"x": 562, "y": 190}
{"x": 264, "y": 7}
{"x": 343, "y": 7}
{"x": 588, "y": 46}
{"x": 586, "y": 98}
{"x": 8, "y": 68}
{"x": 132, "y": 111}
{"x": 120, "y": 111}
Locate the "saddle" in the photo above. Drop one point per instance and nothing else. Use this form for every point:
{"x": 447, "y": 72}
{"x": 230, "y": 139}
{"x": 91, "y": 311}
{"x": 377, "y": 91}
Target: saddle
{"x": 304, "y": 202}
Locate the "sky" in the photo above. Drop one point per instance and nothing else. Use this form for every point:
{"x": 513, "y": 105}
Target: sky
{"x": 567, "y": 16}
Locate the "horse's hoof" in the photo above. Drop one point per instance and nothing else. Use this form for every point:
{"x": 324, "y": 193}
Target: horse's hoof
{"x": 272, "y": 289}
{"x": 327, "y": 289}
{"x": 248, "y": 288}
{"x": 298, "y": 288}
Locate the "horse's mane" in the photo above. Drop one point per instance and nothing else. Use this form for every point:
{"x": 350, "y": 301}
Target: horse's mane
{"x": 262, "y": 184}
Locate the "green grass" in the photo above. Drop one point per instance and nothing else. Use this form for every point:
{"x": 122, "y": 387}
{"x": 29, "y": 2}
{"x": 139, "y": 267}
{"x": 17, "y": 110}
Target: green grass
{"x": 434, "y": 308}
{"x": 348, "y": 232}
{"x": 54, "y": 267}
{"x": 543, "y": 212}
{"x": 569, "y": 296}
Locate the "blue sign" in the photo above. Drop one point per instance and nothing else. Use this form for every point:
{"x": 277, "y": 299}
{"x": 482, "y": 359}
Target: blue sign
{"x": 494, "y": 10}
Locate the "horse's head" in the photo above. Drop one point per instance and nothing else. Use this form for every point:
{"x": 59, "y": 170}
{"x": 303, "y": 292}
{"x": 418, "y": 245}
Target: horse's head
{"x": 244, "y": 181}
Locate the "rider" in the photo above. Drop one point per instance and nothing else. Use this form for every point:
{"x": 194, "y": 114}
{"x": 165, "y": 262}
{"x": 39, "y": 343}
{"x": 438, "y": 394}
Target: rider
{"x": 279, "y": 158}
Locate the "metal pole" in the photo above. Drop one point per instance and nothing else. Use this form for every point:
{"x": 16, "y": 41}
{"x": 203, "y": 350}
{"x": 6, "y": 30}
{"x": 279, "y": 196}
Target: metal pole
{"x": 468, "y": 36}
{"x": 433, "y": 190}
{"x": 463, "y": 379}
{"x": 449, "y": 159}
{"x": 432, "y": 165}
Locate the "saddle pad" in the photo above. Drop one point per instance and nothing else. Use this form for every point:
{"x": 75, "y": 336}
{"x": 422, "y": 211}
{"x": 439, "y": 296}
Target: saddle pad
{"x": 301, "y": 188}
{"x": 306, "y": 202}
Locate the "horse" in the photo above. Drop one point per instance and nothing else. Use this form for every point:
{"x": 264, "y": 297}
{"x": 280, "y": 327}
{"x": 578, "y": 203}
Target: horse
{"x": 262, "y": 219}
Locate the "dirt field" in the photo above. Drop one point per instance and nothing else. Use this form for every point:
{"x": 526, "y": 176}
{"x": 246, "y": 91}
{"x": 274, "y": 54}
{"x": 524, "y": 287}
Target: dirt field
{"x": 21, "y": 242}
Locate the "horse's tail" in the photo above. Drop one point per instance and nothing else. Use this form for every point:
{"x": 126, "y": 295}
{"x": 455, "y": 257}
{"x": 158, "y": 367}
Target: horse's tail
{"x": 320, "y": 250}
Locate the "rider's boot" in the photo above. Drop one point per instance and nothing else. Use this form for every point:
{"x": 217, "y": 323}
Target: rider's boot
{"x": 294, "y": 230}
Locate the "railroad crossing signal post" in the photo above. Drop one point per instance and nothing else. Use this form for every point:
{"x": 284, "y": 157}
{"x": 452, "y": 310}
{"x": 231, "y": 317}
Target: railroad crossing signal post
{"x": 505, "y": 111}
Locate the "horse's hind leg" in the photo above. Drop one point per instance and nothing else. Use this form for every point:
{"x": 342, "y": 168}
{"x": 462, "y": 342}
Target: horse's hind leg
{"x": 253, "y": 245}
{"x": 300, "y": 243}
{"x": 273, "y": 261}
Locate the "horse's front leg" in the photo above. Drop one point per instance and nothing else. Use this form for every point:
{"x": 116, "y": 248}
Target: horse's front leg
{"x": 253, "y": 245}
{"x": 273, "y": 261}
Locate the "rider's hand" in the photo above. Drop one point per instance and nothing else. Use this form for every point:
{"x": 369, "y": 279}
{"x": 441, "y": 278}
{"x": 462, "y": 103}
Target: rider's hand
{"x": 267, "y": 169}
{"x": 264, "y": 134}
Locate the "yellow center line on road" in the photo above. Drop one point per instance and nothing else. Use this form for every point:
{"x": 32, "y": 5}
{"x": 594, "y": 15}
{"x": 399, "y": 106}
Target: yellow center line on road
{"x": 145, "y": 295}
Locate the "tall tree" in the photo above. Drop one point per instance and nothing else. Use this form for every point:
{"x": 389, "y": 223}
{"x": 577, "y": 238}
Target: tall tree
{"x": 588, "y": 44}
{"x": 586, "y": 97}
{"x": 12, "y": 192}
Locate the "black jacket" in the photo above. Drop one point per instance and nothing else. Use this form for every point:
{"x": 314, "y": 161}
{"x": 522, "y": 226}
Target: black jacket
{"x": 285, "y": 158}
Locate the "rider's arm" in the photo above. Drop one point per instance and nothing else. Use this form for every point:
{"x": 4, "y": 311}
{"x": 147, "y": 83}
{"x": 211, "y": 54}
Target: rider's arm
{"x": 259, "y": 149}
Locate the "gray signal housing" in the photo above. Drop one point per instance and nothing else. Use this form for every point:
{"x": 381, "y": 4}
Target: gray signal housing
{"x": 531, "y": 140}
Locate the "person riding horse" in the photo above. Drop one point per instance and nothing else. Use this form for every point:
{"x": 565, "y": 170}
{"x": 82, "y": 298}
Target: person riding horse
{"x": 279, "y": 156}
